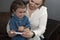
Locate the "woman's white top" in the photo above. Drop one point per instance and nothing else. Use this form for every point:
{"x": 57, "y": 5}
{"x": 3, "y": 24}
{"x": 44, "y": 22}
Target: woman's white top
{"x": 38, "y": 21}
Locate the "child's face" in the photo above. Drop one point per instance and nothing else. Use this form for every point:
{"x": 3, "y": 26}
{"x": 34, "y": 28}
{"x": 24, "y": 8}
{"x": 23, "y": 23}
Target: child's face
{"x": 20, "y": 12}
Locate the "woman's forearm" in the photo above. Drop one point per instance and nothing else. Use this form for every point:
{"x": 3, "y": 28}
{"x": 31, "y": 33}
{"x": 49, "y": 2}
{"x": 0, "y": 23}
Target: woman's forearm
{"x": 42, "y": 24}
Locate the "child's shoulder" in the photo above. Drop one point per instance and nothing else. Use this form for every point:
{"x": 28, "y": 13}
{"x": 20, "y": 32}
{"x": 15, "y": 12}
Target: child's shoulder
{"x": 12, "y": 19}
{"x": 25, "y": 17}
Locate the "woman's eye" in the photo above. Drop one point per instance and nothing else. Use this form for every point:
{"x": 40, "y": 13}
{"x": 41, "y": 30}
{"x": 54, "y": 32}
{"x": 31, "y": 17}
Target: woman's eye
{"x": 37, "y": 4}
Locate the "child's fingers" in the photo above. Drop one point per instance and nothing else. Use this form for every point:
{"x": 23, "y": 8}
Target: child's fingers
{"x": 12, "y": 32}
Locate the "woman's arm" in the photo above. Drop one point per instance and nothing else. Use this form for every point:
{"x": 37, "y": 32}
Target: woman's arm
{"x": 42, "y": 27}
{"x": 42, "y": 23}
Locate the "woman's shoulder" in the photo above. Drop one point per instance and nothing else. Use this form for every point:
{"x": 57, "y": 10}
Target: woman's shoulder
{"x": 43, "y": 10}
{"x": 43, "y": 7}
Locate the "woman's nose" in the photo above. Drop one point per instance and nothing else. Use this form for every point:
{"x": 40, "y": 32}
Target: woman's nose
{"x": 32, "y": 4}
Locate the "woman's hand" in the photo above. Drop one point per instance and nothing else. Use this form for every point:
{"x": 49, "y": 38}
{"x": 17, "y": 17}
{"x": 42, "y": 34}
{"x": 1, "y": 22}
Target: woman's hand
{"x": 11, "y": 33}
{"x": 27, "y": 34}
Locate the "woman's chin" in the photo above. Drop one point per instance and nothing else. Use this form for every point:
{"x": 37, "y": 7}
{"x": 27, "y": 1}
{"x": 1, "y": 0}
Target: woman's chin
{"x": 32, "y": 8}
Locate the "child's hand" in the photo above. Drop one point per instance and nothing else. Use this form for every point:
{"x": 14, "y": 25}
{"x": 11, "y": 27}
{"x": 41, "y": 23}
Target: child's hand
{"x": 11, "y": 33}
{"x": 26, "y": 29}
{"x": 21, "y": 28}
{"x": 27, "y": 34}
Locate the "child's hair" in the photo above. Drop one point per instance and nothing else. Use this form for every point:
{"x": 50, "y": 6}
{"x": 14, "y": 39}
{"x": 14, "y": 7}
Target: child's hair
{"x": 17, "y": 4}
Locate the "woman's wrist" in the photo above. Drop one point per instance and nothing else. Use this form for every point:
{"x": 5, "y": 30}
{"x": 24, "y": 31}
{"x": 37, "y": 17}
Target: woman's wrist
{"x": 33, "y": 35}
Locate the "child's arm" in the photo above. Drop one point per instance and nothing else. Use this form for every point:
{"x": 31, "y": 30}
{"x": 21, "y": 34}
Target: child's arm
{"x": 12, "y": 25}
{"x": 9, "y": 31}
{"x": 12, "y": 29}
{"x": 10, "y": 34}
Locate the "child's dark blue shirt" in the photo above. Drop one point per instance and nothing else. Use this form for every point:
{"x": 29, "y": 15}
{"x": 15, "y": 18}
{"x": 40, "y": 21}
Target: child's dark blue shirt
{"x": 15, "y": 22}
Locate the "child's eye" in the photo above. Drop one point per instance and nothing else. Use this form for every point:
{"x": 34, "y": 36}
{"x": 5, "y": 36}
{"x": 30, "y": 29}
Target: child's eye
{"x": 32, "y": 1}
{"x": 20, "y": 12}
{"x": 24, "y": 11}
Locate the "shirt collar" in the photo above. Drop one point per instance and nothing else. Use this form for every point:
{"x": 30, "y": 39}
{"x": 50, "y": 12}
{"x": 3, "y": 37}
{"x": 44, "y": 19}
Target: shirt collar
{"x": 15, "y": 17}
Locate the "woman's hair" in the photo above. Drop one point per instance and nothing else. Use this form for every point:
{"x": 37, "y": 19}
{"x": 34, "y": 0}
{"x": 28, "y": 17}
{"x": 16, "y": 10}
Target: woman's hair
{"x": 17, "y": 4}
{"x": 43, "y": 3}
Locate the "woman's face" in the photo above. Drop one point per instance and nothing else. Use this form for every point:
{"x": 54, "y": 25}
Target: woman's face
{"x": 33, "y": 4}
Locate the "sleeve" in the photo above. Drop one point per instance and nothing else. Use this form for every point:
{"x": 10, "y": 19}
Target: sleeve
{"x": 8, "y": 30}
{"x": 28, "y": 23}
{"x": 12, "y": 25}
{"x": 42, "y": 23}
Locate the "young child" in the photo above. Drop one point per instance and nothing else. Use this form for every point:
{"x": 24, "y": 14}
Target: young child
{"x": 19, "y": 22}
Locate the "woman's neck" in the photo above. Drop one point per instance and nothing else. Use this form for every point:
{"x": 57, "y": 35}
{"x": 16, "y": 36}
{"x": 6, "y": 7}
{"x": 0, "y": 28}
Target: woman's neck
{"x": 30, "y": 11}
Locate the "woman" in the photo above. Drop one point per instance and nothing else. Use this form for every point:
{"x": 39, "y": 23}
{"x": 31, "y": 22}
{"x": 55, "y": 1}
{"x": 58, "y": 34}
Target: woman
{"x": 37, "y": 14}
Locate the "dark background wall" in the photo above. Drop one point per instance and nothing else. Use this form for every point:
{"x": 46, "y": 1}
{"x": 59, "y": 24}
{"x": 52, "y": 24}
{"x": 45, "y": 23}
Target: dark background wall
{"x": 52, "y": 5}
{"x": 5, "y": 5}
{"x": 53, "y": 9}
